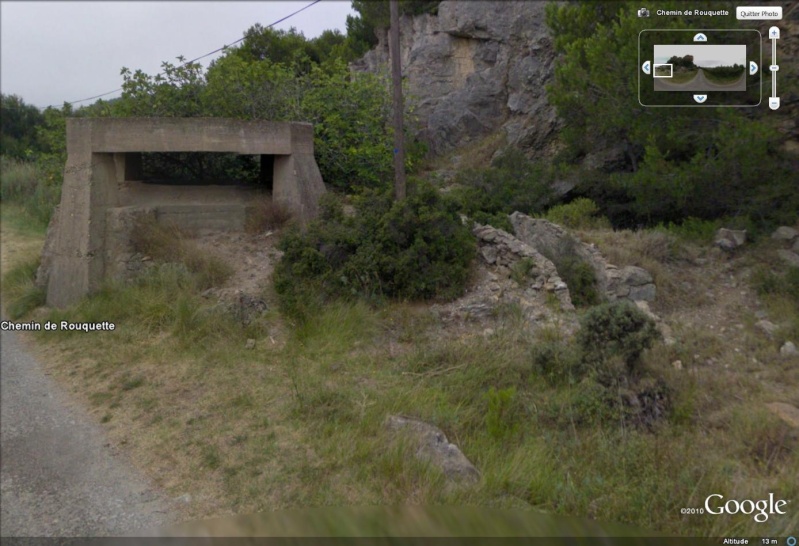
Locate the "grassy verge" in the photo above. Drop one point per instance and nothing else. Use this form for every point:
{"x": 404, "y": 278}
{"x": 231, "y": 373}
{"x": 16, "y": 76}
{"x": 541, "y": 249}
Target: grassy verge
{"x": 21, "y": 238}
{"x": 297, "y": 421}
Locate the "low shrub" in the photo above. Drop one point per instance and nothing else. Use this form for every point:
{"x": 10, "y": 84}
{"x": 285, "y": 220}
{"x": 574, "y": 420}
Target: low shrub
{"x": 512, "y": 183}
{"x": 500, "y": 418}
{"x": 582, "y": 213}
{"x": 557, "y": 362}
{"x": 692, "y": 229}
{"x": 417, "y": 248}
{"x": 615, "y": 330}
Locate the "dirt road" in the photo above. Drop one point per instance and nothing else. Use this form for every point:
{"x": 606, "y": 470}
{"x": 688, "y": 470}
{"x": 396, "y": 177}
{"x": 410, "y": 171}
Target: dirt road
{"x": 58, "y": 475}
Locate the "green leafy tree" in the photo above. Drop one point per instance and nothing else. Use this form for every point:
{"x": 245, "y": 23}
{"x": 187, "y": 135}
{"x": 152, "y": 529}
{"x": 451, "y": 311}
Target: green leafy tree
{"x": 19, "y": 122}
{"x": 252, "y": 90}
{"x": 351, "y": 117}
{"x": 176, "y": 92}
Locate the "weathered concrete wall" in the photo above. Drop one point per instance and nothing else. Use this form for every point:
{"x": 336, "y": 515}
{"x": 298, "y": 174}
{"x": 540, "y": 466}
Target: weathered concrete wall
{"x": 100, "y": 189}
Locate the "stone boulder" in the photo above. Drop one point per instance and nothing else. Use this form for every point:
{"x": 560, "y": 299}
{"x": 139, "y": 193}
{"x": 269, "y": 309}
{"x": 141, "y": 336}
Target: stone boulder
{"x": 432, "y": 446}
{"x": 729, "y": 239}
{"x": 629, "y": 282}
{"x": 785, "y": 233}
{"x": 788, "y": 413}
{"x": 789, "y": 257}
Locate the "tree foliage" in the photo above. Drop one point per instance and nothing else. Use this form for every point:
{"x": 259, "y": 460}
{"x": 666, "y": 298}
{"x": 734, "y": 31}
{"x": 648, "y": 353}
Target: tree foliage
{"x": 18, "y": 129}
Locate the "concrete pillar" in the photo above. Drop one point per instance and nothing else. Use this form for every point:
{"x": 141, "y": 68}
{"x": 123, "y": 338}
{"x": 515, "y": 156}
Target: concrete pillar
{"x": 298, "y": 183}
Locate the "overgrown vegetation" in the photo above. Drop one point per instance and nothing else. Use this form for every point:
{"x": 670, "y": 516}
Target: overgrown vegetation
{"x": 575, "y": 271}
{"x": 298, "y": 421}
{"x": 167, "y": 244}
{"x": 267, "y": 215}
{"x": 582, "y": 213}
{"x": 416, "y": 248}
{"x": 512, "y": 183}
{"x": 26, "y": 183}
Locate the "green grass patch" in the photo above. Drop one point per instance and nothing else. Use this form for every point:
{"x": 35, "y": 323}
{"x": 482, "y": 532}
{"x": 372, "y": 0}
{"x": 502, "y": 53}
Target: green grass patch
{"x": 28, "y": 185}
{"x": 20, "y": 293}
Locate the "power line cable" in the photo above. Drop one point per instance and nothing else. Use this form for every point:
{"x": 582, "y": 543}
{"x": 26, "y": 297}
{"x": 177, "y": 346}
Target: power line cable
{"x": 198, "y": 58}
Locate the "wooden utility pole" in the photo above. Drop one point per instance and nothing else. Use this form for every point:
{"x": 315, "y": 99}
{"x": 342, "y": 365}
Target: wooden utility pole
{"x": 396, "y": 80}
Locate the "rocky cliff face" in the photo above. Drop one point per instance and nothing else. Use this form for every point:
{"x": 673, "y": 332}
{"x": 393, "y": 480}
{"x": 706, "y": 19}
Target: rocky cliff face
{"x": 475, "y": 68}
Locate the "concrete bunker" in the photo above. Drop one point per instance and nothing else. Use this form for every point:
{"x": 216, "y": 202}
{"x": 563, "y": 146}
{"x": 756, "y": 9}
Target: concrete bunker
{"x": 104, "y": 191}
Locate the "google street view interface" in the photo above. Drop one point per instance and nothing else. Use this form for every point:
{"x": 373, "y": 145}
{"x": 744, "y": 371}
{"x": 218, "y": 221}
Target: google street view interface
{"x": 565, "y": 305}
{"x": 706, "y": 65}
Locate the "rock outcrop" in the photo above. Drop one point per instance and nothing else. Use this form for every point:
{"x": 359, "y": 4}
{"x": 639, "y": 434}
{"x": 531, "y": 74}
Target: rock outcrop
{"x": 475, "y": 68}
{"x": 614, "y": 283}
{"x": 512, "y": 273}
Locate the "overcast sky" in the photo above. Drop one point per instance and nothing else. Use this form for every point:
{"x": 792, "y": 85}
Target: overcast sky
{"x": 707, "y": 56}
{"x": 51, "y": 52}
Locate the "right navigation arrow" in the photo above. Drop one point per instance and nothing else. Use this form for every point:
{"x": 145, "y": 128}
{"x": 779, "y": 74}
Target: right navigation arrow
{"x": 752, "y": 68}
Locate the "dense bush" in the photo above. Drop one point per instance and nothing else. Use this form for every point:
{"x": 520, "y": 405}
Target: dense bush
{"x": 512, "y": 183}
{"x": 617, "y": 330}
{"x": 416, "y": 248}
